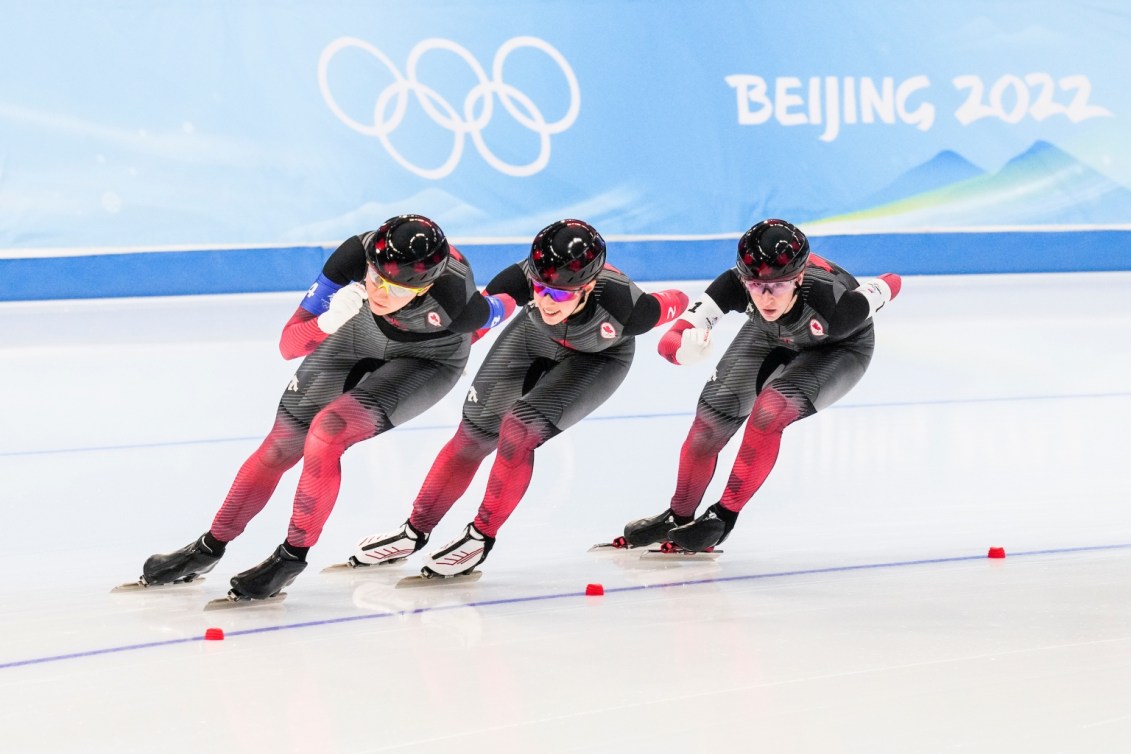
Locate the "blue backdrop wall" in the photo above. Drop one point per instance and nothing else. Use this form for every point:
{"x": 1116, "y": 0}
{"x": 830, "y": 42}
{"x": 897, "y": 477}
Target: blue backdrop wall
{"x": 161, "y": 147}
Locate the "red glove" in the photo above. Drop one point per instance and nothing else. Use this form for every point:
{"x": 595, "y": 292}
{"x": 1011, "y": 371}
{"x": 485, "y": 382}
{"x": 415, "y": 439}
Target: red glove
{"x": 895, "y": 282}
{"x": 672, "y": 339}
{"x": 672, "y": 304}
{"x": 684, "y": 343}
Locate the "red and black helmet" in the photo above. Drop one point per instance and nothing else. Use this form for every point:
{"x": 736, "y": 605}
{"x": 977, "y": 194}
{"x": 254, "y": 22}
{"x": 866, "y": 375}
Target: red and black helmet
{"x": 772, "y": 250}
{"x": 566, "y": 255}
{"x": 408, "y": 250}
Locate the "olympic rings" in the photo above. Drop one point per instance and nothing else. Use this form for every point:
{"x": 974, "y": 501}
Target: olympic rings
{"x": 516, "y": 103}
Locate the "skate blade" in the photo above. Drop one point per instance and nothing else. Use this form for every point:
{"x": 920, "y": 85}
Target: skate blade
{"x": 616, "y": 545}
{"x": 409, "y": 582}
{"x": 139, "y": 586}
{"x": 360, "y": 567}
{"x": 227, "y": 603}
{"x": 679, "y": 555}
{"x": 611, "y": 547}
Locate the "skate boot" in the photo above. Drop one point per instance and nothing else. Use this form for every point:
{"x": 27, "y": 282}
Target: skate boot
{"x": 269, "y": 577}
{"x": 184, "y": 565}
{"x": 648, "y": 531}
{"x": 390, "y": 547}
{"x": 705, "y": 532}
{"x": 461, "y": 556}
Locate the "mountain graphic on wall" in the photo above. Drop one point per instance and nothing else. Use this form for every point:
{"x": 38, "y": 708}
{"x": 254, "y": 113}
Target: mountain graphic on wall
{"x": 1041, "y": 186}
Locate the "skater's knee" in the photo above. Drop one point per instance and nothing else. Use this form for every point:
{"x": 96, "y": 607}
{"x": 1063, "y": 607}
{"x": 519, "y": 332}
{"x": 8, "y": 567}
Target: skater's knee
{"x": 474, "y": 443}
{"x": 774, "y": 410}
{"x": 273, "y": 455}
{"x": 280, "y": 451}
{"x": 712, "y": 429}
{"x": 523, "y": 429}
{"x": 333, "y": 430}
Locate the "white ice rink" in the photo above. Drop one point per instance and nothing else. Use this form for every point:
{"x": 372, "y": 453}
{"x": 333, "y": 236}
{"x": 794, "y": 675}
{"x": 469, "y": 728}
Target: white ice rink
{"x": 854, "y": 608}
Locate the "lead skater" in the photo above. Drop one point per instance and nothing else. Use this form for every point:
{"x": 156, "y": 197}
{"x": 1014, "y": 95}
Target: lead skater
{"x": 808, "y": 341}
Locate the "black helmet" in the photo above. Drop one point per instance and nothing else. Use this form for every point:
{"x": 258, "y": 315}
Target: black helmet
{"x": 566, "y": 255}
{"x": 408, "y": 250}
{"x": 772, "y": 250}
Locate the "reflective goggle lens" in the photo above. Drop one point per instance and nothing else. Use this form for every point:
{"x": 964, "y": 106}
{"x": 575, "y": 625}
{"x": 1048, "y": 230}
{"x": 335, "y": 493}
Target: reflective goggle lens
{"x": 397, "y": 291}
{"x": 774, "y": 289}
{"x": 555, "y": 294}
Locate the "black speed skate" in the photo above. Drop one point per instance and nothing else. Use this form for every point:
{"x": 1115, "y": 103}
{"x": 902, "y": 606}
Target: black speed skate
{"x": 269, "y": 577}
{"x": 705, "y": 532}
{"x": 186, "y": 564}
{"x": 649, "y": 531}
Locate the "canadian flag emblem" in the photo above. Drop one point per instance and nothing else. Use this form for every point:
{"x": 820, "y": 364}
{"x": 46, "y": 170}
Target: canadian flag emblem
{"x": 816, "y": 328}
{"x": 607, "y": 330}
{"x": 434, "y": 319}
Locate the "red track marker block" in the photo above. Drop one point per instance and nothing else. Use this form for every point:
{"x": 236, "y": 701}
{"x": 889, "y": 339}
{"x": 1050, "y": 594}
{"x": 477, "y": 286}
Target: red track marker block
{"x": 214, "y": 634}
{"x": 594, "y": 590}
{"x": 996, "y": 552}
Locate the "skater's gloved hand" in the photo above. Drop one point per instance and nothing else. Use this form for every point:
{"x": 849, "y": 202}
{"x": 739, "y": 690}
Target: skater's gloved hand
{"x": 685, "y": 344}
{"x": 344, "y": 306}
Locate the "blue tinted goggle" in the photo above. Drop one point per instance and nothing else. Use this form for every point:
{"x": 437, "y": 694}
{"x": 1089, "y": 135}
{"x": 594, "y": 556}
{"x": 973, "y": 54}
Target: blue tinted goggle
{"x": 555, "y": 294}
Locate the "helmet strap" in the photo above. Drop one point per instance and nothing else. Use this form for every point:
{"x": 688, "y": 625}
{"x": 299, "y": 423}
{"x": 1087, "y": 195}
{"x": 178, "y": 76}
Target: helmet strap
{"x": 584, "y": 299}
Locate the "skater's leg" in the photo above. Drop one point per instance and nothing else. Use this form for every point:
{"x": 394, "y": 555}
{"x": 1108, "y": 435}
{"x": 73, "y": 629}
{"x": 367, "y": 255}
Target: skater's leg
{"x": 450, "y": 475}
{"x": 562, "y": 396}
{"x": 259, "y": 476}
{"x": 808, "y": 382}
{"x": 772, "y": 413}
{"x": 499, "y": 383}
{"x": 399, "y": 390}
{"x": 340, "y": 425}
{"x": 811, "y": 382}
{"x": 710, "y": 432}
{"x": 523, "y": 430}
{"x": 724, "y": 404}
{"x": 698, "y": 457}
{"x": 447, "y": 480}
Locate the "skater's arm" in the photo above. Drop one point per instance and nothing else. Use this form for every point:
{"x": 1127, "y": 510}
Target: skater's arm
{"x": 300, "y": 335}
{"x": 854, "y": 308}
{"x": 689, "y": 338}
{"x": 482, "y": 312}
{"x": 499, "y": 307}
{"x": 879, "y": 290}
{"x": 513, "y": 282}
{"x": 506, "y": 291}
{"x": 655, "y": 309}
{"x": 469, "y": 310}
{"x": 303, "y": 332}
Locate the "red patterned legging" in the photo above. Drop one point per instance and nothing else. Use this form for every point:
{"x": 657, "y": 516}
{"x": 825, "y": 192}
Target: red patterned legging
{"x": 710, "y": 431}
{"x": 344, "y": 422}
{"x": 520, "y": 433}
